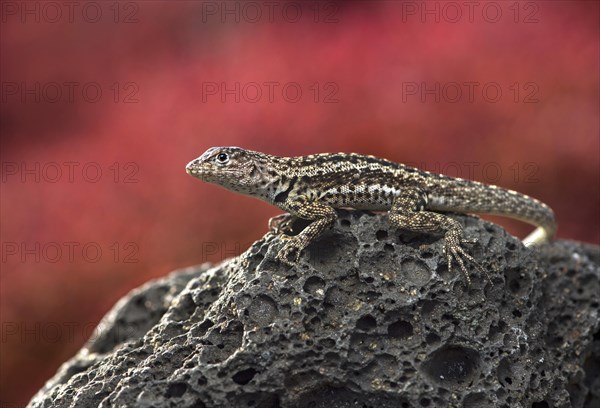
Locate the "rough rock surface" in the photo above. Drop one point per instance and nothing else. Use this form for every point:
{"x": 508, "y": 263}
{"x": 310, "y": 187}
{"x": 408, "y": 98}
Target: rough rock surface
{"x": 371, "y": 317}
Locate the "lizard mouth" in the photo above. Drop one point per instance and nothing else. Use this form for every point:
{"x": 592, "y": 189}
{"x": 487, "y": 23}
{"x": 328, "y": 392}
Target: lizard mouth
{"x": 192, "y": 168}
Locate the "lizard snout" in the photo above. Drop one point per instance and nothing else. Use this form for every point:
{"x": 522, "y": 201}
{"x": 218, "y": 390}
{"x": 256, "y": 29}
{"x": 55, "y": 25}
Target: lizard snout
{"x": 192, "y": 167}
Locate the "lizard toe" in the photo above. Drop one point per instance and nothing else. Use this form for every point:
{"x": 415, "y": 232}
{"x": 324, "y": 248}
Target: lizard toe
{"x": 454, "y": 251}
{"x": 281, "y": 224}
{"x": 283, "y": 257}
{"x": 468, "y": 241}
{"x": 290, "y": 253}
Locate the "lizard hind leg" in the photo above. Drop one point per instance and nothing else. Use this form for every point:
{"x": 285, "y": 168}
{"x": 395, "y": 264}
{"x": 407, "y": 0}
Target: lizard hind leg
{"x": 408, "y": 212}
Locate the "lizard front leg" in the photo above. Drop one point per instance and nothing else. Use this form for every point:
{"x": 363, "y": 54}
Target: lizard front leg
{"x": 408, "y": 212}
{"x": 323, "y": 217}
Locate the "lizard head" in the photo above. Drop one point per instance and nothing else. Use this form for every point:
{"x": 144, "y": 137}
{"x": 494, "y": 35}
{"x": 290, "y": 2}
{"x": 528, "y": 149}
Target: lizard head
{"x": 234, "y": 168}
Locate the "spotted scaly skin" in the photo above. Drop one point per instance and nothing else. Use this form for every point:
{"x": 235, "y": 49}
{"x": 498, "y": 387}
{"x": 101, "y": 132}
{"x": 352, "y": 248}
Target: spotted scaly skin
{"x": 312, "y": 187}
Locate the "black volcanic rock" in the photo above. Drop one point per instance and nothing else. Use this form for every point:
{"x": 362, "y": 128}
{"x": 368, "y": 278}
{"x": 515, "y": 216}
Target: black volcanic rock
{"x": 371, "y": 317}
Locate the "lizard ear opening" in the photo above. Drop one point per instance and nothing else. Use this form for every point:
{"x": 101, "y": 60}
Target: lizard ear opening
{"x": 254, "y": 171}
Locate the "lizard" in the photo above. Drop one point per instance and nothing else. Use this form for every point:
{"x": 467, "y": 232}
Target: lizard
{"x": 313, "y": 187}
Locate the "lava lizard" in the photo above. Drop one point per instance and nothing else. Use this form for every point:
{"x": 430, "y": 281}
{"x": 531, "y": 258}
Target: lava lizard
{"x": 312, "y": 187}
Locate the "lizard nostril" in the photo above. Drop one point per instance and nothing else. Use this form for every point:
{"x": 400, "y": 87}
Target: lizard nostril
{"x": 192, "y": 164}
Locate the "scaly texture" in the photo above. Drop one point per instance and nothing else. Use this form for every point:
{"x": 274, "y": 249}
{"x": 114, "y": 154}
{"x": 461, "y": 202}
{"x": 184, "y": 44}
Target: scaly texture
{"x": 312, "y": 187}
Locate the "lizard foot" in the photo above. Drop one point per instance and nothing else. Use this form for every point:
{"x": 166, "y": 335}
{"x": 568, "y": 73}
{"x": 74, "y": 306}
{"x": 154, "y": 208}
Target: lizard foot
{"x": 291, "y": 249}
{"x": 453, "y": 250}
{"x": 281, "y": 223}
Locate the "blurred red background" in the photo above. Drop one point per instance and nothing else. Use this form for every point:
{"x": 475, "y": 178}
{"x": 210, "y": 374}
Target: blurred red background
{"x": 104, "y": 103}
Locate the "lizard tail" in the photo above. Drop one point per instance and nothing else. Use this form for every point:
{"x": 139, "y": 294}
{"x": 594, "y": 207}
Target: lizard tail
{"x": 503, "y": 202}
{"x": 538, "y": 236}
{"x": 531, "y": 211}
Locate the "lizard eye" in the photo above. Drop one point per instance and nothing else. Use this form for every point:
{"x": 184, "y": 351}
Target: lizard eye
{"x": 222, "y": 158}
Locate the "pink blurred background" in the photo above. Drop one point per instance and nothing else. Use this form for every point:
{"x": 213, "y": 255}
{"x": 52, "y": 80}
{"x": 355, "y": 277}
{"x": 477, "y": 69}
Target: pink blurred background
{"x": 413, "y": 82}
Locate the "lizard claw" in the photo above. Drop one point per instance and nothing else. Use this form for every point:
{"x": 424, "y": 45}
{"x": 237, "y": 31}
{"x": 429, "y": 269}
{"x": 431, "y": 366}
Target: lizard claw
{"x": 281, "y": 223}
{"x": 453, "y": 250}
